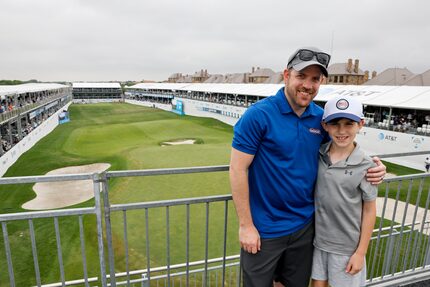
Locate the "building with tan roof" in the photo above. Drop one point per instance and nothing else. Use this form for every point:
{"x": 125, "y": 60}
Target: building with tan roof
{"x": 174, "y": 78}
{"x": 237, "y": 78}
{"x": 391, "y": 77}
{"x": 259, "y": 76}
{"x": 276, "y": 78}
{"x": 346, "y": 73}
{"x": 200, "y": 76}
{"x": 217, "y": 78}
{"x": 419, "y": 80}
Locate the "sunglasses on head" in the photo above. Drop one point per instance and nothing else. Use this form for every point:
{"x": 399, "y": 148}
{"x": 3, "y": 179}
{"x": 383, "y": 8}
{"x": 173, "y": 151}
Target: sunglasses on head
{"x": 307, "y": 55}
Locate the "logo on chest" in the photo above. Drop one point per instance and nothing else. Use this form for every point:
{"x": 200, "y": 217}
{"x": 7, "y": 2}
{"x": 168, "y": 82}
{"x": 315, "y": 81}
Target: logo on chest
{"x": 315, "y": 131}
{"x": 348, "y": 172}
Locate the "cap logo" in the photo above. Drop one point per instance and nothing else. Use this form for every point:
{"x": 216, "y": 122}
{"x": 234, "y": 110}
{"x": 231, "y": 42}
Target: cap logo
{"x": 342, "y": 104}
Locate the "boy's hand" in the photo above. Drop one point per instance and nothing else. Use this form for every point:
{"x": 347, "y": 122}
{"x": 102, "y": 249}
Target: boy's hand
{"x": 375, "y": 175}
{"x": 355, "y": 264}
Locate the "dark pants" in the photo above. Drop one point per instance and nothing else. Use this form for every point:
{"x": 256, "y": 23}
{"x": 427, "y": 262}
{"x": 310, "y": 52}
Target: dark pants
{"x": 287, "y": 259}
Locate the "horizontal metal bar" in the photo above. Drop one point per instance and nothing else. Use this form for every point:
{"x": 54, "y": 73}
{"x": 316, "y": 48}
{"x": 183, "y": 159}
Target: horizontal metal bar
{"x": 47, "y": 213}
{"x": 45, "y": 178}
{"x": 164, "y": 203}
{"x": 402, "y": 154}
{"x": 177, "y": 274}
{"x": 166, "y": 171}
{"x": 376, "y": 230}
{"x": 177, "y": 266}
{"x": 147, "y": 172}
{"x": 71, "y": 282}
{"x": 402, "y": 278}
{"x": 407, "y": 177}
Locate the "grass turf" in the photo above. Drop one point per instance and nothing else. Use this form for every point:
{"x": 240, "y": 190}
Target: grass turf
{"x": 128, "y": 137}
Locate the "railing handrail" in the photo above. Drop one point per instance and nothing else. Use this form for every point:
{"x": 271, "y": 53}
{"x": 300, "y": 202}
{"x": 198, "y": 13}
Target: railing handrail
{"x": 161, "y": 171}
{"x": 178, "y": 266}
{"x": 166, "y": 171}
{"x": 47, "y": 178}
{"x": 46, "y": 214}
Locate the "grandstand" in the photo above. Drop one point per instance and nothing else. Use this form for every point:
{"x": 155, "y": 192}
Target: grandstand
{"x": 86, "y": 92}
{"x": 397, "y": 117}
{"x": 25, "y": 108}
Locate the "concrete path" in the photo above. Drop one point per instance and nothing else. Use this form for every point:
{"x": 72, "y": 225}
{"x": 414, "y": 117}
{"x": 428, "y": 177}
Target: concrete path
{"x": 401, "y": 207}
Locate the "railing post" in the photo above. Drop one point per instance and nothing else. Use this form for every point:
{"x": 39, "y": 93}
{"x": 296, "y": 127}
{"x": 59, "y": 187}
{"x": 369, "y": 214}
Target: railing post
{"x": 392, "y": 240}
{"x": 106, "y": 204}
{"x": 99, "y": 219}
{"x": 145, "y": 282}
{"x": 427, "y": 255}
{"x": 8, "y": 254}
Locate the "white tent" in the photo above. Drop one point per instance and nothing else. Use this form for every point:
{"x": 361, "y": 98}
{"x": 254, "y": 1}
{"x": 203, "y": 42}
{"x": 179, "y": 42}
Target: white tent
{"x": 406, "y": 97}
{"x": 86, "y": 85}
{"x": 28, "y": 88}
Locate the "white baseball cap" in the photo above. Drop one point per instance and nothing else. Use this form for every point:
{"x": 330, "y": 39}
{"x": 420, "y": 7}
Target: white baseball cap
{"x": 343, "y": 107}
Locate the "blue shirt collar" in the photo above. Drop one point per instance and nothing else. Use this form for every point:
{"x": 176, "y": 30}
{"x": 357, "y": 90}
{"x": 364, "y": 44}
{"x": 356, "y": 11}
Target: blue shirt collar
{"x": 285, "y": 108}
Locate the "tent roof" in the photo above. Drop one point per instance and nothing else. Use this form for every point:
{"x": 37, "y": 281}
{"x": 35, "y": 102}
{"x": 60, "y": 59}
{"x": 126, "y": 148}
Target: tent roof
{"x": 158, "y": 86}
{"x": 408, "y": 97}
{"x": 28, "y": 88}
{"x": 223, "y": 88}
{"x": 96, "y": 85}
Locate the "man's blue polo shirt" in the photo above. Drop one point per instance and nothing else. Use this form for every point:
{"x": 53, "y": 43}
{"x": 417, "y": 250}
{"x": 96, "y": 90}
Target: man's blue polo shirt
{"x": 284, "y": 170}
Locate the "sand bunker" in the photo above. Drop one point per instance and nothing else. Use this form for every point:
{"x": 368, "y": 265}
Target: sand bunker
{"x": 179, "y": 142}
{"x": 51, "y": 195}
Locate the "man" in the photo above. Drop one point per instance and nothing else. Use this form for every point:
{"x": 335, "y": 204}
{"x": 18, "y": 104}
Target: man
{"x": 273, "y": 169}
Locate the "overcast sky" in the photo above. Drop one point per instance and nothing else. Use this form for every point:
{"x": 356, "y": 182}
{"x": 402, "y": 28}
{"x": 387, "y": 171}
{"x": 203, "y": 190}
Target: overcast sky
{"x": 95, "y": 40}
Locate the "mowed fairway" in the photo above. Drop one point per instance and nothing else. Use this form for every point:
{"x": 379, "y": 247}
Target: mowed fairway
{"x": 127, "y": 137}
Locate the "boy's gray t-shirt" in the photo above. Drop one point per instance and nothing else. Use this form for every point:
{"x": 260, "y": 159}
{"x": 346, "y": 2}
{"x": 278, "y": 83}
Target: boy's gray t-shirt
{"x": 340, "y": 191}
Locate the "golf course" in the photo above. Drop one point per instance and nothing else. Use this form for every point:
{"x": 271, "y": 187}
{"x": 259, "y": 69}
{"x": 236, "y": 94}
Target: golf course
{"x": 126, "y": 137}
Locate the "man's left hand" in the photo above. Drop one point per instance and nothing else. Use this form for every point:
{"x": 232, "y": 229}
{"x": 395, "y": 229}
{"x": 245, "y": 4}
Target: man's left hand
{"x": 375, "y": 175}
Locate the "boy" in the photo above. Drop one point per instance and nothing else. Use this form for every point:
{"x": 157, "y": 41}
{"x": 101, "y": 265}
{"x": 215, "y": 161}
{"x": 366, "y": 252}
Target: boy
{"x": 345, "y": 208}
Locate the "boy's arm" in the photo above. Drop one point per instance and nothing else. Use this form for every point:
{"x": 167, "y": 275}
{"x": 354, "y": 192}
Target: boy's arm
{"x": 356, "y": 262}
{"x": 249, "y": 237}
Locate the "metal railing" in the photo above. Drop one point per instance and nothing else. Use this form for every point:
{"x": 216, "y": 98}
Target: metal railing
{"x": 55, "y": 215}
{"x": 180, "y": 242}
